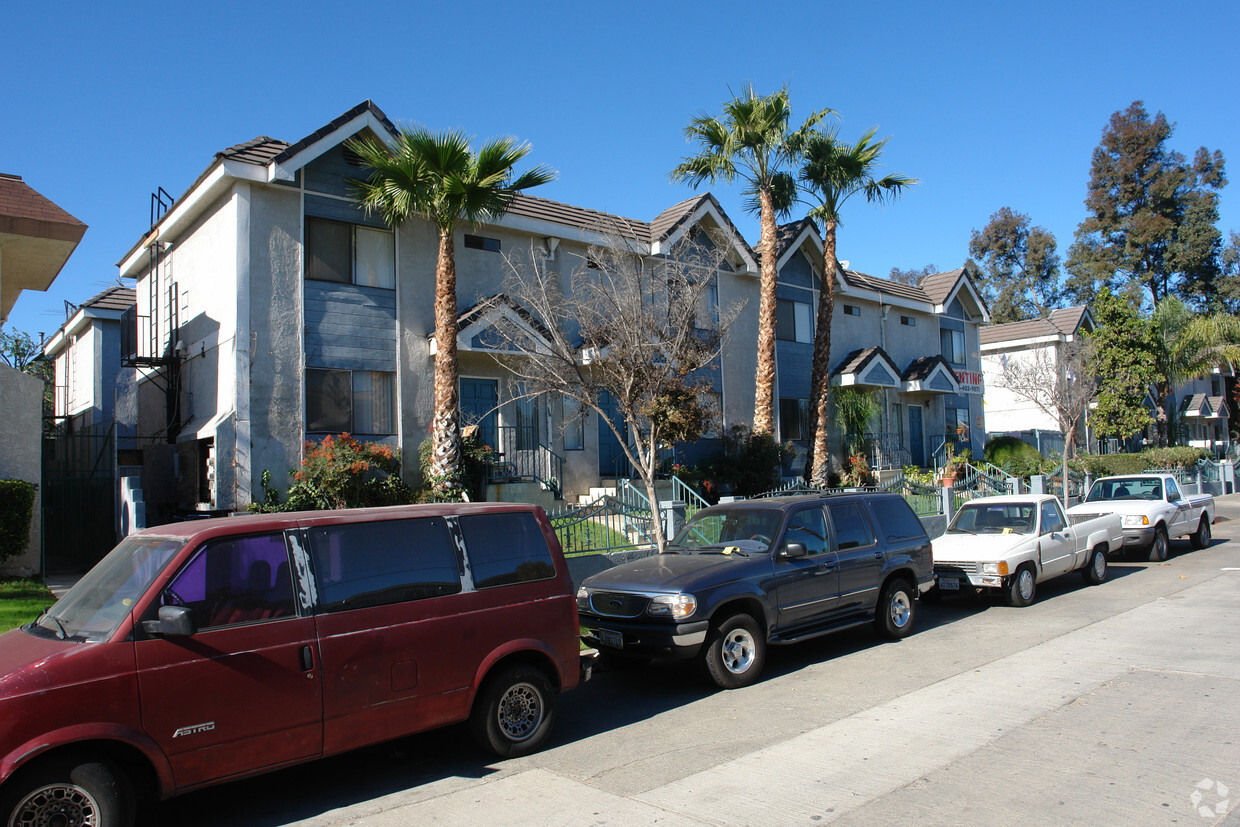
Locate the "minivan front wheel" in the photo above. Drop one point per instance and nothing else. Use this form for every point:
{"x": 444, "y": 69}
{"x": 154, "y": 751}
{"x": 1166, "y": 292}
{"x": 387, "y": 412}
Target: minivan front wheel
{"x": 69, "y": 791}
{"x": 514, "y": 712}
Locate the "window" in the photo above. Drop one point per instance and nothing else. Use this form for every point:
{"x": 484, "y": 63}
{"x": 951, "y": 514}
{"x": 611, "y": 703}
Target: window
{"x": 350, "y": 254}
{"x": 956, "y": 421}
{"x": 1051, "y": 518}
{"x": 706, "y": 316}
{"x": 375, "y": 564}
{"x": 952, "y": 342}
{"x": 480, "y": 242}
{"x": 809, "y": 527}
{"x": 506, "y": 548}
{"x": 897, "y": 519}
{"x": 794, "y": 418}
{"x": 358, "y": 401}
{"x": 235, "y": 580}
{"x": 908, "y": 321}
{"x": 852, "y": 528}
{"x": 852, "y": 310}
{"x": 793, "y": 321}
{"x": 573, "y": 419}
{"x": 527, "y": 430}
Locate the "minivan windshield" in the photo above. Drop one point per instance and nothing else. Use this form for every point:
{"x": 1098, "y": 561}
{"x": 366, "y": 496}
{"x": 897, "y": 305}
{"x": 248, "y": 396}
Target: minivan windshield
{"x": 743, "y": 529}
{"x": 94, "y": 608}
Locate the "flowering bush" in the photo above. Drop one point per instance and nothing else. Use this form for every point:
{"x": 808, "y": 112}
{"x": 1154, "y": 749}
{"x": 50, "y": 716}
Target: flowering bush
{"x": 341, "y": 472}
{"x": 857, "y": 472}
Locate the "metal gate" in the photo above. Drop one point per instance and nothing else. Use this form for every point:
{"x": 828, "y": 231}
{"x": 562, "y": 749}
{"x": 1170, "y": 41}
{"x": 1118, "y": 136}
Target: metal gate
{"x": 78, "y": 494}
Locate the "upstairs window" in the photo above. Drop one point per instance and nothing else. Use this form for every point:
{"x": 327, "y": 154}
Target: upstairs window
{"x": 952, "y": 342}
{"x": 793, "y": 321}
{"x": 350, "y": 254}
{"x": 481, "y": 242}
{"x": 852, "y": 310}
{"x": 908, "y": 321}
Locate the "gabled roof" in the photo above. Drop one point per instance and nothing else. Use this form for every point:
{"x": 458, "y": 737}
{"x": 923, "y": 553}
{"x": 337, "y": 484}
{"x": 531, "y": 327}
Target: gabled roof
{"x": 1062, "y": 324}
{"x": 942, "y": 288}
{"x": 887, "y": 287}
{"x": 1194, "y": 405}
{"x": 116, "y": 297}
{"x": 1072, "y": 319}
{"x": 867, "y": 366}
{"x": 480, "y": 320}
{"x": 365, "y": 111}
{"x": 930, "y": 374}
{"x": 109, "y": 304}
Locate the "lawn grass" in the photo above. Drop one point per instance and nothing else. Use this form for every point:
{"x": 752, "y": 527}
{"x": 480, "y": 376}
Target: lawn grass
{"x": 21, "y": 601}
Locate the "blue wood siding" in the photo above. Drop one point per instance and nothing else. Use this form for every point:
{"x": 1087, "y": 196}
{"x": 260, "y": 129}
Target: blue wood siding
{"x": 350, "y": 327}
{"x": 320, "y": 207}
{"x": 330, "y": 173}
{"x": 797, "y": 273}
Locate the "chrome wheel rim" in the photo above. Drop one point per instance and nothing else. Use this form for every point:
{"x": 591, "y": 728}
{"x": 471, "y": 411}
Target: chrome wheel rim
{"x": 1024, "y": 582}
{"x": 738, "y": 651}
{"x": 57, "y": 805}
{"x": 520, "y": 711}
{"x": 1100, "y": 565}
{"x": 901, "y": 610}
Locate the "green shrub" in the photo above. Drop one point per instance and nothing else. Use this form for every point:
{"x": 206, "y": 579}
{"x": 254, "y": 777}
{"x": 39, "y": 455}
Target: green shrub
{"x": 749, "y": 464}
{"x": 1013, "y": 455}
{"x": 471, "y": 476}
{"x": 1111, "y": 465}
{"x": 340, "y": 472}
{"x": 16, "y": 509}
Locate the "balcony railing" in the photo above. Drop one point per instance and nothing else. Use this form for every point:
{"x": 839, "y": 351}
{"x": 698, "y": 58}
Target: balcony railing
{"x": 521, "y": 457}
{"x": 886, "y": 451}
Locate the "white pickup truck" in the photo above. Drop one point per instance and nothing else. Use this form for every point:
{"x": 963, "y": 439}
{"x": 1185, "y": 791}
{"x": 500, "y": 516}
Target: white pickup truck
{"x": 1153, "y": 509}
{"x": 1010, "y": 544}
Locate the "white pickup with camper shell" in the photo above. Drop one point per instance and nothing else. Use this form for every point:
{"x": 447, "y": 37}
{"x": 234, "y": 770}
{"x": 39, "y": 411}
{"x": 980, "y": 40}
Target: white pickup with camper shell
{"x": 1010, "y": 544}
{"x": 1154, "y": 511}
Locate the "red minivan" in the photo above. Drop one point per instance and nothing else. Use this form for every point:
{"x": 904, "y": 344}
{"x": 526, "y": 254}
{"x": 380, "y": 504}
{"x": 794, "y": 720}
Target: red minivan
{"x": 210, "y": 650}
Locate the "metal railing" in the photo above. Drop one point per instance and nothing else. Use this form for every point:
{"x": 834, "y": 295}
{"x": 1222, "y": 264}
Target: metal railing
{"x": 885, "y": 451}
{"x": 522, "y": 457}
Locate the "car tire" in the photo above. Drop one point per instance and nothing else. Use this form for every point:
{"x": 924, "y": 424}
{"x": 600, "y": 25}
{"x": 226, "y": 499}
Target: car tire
{"x": 893, "y": 618}
{"x": 1095, "y": 571}
{"x": 1201, "y": 537}
{"x": 1022, "y": 588}
{"x": 735, "y": 652}
{"x": 514, "y": 712}
{"x": 1160, "y": 548}
{"x": 69, "y": 790}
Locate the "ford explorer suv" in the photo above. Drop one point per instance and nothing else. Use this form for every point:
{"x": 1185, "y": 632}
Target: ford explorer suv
{"x": 212, "y": 650}
{"x": 740, "y": 576}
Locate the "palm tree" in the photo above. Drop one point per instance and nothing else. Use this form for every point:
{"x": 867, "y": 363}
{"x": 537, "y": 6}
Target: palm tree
{"x": 440, "y": 178}
{"x": 832, "y": 173}
{"x": 1187, "y": 346}
{"x": 752, "y": 139}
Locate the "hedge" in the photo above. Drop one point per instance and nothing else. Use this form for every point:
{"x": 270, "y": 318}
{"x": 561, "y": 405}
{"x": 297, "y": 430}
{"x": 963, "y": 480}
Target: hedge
{"x": 16, "y": 509}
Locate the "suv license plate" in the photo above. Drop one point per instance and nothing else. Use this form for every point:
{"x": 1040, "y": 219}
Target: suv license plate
{"x": 609, "y": 638}
{"x": 950, "y": 584}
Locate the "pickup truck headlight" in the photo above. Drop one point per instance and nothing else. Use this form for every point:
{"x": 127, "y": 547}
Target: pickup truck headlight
{"x": 675, "y": 606}
{"x": 1135, "y": 520}
{"x": 995, "y": 568}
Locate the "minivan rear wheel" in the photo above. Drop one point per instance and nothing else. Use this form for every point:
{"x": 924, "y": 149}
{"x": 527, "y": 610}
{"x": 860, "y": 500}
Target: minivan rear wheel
{"x": 514, "y": 712}
{"x": 69, "y": 790}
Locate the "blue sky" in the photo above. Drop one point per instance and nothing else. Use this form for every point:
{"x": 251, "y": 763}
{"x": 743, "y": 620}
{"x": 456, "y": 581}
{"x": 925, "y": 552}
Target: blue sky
{"x": 989, "y": 104}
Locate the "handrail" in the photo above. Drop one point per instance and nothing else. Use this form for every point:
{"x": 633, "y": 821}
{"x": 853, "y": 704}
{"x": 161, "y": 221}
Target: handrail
{"x": 524, "y": 457}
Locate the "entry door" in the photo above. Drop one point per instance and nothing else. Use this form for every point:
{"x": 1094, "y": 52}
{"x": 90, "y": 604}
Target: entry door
{"x": 916, "y": 447}
{"x": 479, "y": 398}
{"x": 243, "y": 693}
{"x": 611, "y": 459}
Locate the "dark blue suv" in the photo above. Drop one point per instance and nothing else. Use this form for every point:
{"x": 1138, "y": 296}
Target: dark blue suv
{"x": 740, "y": 576}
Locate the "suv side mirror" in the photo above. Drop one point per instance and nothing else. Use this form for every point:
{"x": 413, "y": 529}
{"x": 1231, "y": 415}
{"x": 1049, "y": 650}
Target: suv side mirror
{"x": 174, "y": 621}
{"x": 794, "y": 550}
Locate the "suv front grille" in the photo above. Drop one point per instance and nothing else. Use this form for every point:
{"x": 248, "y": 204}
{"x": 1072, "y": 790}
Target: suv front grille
{"x": 618, "y": 604}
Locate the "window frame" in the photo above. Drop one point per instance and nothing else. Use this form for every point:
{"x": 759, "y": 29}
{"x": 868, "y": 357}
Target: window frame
{"x": 354, "y": 251}
{"x": 391, "y": 414}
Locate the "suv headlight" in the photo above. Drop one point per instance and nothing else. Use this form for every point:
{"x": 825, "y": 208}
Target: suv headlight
{"x": 583, "y": 599}
{"x": 1135, "y": 520}
{"x": 675, "y": 606}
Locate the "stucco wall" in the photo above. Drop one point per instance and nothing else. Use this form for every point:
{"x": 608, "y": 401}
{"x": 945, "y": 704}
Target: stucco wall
{"x": 1005, "y": 410}
{"x": 21, "y": 411}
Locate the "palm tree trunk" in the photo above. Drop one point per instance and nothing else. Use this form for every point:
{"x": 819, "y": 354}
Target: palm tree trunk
{"x": 446, "y": 424}
{"x": 820, "y": 458}
{"x": 764, "y": 375}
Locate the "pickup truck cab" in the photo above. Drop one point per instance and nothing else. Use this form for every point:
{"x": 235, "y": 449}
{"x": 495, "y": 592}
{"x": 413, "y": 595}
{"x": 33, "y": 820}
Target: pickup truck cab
{"x": 1010, "y": 544}
{"x": 211, "y": 650}
{"x": 1154, "y": 511}
{"x": 740, "y": 576}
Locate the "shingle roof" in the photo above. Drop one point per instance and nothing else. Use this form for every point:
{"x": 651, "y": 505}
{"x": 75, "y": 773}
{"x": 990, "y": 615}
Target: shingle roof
{"x": 485, "y": 305}
{"x": 331, "y": 127}
{"x": 921, "y": 368}
{"x": 21, "y": 205}
{"x": 117, "y": 297}
{"x": 887, "y": 286}
{"x": 786, "y": 234}
{"x": 259, "y": 151}
{"x": 1068, "y": 319}
{"x": 1012, "y": 331}
{"x": 939, "y": 286}
{"x": 544, "y": 209}
{"x": 855, "y": 361}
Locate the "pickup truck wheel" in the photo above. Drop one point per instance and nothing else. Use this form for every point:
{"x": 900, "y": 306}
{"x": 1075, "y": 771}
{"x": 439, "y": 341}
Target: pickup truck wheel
{"x": 1201, "y": 537}
{"x": 514, "y": 712}
{"x": 1158, "y": 549}
{"x": 894, "y": 617}
{"x": 735, "y": 652}
{"x": 1096, "y": 571}
{"x": 1022, "y": 587}
{"x": 69, "y": 790}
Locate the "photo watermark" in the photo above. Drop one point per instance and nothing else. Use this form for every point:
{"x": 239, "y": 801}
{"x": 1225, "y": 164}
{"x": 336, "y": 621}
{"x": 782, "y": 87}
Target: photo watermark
{"x": 1210, "y": 798}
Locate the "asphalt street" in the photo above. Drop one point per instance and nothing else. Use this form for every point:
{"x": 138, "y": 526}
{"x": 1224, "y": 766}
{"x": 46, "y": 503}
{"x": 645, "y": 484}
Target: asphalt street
{"x": 1096, "y": 705}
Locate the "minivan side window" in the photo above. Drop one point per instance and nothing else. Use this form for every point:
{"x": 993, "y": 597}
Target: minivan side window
{"x": 896, "y": 518}
{"x": 506, "y": 548}
{"x": 852, "y": 527}
{"x": 357, "y": 565}
{"x": 235, "y": 580}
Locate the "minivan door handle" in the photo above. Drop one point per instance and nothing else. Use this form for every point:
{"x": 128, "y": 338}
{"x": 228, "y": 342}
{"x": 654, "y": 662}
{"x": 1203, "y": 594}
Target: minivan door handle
{"x": 307, "y": 659}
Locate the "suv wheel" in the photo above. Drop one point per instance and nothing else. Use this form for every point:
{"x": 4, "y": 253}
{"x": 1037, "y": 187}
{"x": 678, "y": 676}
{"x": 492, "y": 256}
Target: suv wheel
{"x": 893, "y": 619}
{"x": 514, "y": 712}
{"x": 735, "y": 652}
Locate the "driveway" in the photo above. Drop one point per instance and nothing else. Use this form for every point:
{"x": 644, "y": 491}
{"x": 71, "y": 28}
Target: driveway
{"x": 1095, "y": 705}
